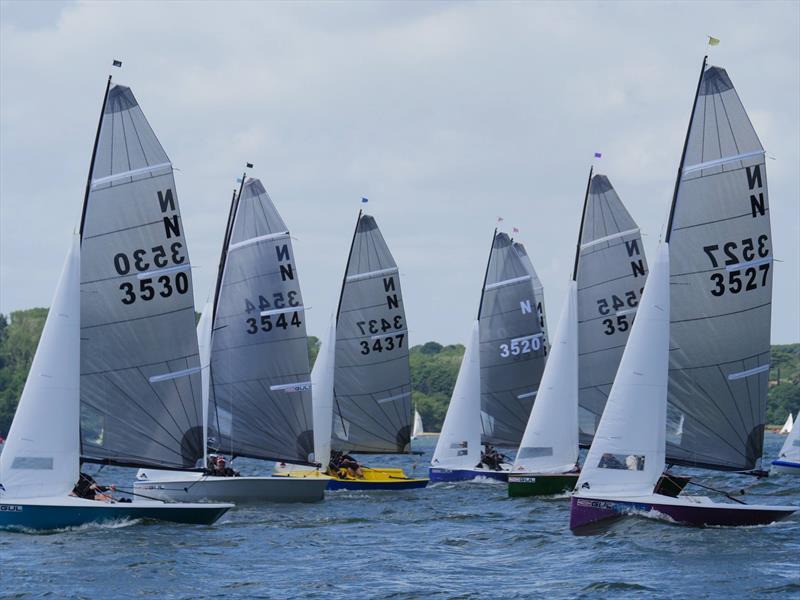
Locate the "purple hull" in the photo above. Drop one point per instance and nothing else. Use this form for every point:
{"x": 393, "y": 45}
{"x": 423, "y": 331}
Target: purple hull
{"x": 588, "y": 515}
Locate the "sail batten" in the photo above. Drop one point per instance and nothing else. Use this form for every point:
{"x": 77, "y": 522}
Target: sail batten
{"x": 260, "y": 391}
{"x": 721, "y": 270}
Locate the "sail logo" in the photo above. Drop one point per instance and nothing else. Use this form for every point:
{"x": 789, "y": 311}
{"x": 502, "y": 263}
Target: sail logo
{"x": 11, "y": 508}
{"x": 287, "y": 271}
{"x": 637, "y": 264}
{"x": 166, "y": 201}
{"x": 754, "y": 183}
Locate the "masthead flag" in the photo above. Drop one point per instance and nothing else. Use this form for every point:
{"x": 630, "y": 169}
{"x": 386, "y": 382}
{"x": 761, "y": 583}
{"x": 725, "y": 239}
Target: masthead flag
{"x": 116, "y": 63}
{"x": 364, "y": 200}
{"x": 514, "y": 230}
{"x": 249, "y": 165}
{"x": 598, "y": 155}
{"x": 712, "y": 41}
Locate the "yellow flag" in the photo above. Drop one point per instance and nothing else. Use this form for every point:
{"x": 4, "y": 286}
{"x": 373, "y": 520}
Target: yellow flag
{"x": 712, "y": 41}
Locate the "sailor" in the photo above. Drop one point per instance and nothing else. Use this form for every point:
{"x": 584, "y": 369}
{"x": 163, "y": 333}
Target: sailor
{"x": 88, "y": 489}
{"x": 222, "y": 470}
{"x": 340, "y": 460}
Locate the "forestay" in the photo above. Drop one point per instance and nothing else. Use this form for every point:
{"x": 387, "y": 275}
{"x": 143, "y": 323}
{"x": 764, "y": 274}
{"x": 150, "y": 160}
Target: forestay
{"x": 512, "y": 352}
{"x": 260, "y": 401}
{"x": 721, "y": 256}
{"x": 538, "y": 290}
{"x": 372, "y": 381}
{"x": 459, "y": 443}
{"x": 140, "y": 379}
{"x": 41, "y": 458}
{"x": 611, "y": 274}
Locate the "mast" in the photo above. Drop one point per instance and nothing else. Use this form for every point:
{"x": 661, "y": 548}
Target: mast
{"x": 94, "y": 155}
{"x": 225, "y": 243}
{"x": 486, "y": 273}
{"x": 683, "y": 154}
{"x": 580, "y": 231}
{"x": 347, "y": 266}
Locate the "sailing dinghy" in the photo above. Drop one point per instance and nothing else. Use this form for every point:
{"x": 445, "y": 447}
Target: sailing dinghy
{"x": 361, "y": 380}
{"x": 709, "y": 290}
{"x": 254, "y": 352}
{"x": 114, "y": 376}
{"x": 418, "y": 429}
{"x": 787, "y": 426}
{"x": 500, "y": 371}
{"x": 788, "y": 460}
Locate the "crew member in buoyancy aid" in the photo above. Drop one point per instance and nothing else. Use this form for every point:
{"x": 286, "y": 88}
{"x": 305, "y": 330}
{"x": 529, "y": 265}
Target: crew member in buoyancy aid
{"x": 492, "y": 458}
{"x": 222, "y": 470}
{"x": 88, "y": 489}
{"x": 340, "y": 460}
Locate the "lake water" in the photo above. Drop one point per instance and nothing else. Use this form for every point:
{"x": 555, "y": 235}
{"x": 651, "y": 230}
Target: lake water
{"x": 447, "y": 541}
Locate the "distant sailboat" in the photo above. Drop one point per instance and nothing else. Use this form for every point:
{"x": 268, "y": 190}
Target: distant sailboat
{"x": 787, "y": 426}
{"x": 118, "y": 357}
{"x": 788, "y": 460}
{"x": 361, "y": 382}
{"x": 708, "y": 290}
{"x": 500, "y": 372}
{"x": 256, "y": 371}
{"x": 418, "y": 428}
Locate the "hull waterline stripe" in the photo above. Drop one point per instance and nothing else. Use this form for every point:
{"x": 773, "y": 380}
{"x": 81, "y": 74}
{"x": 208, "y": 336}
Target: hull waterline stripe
{"x": 174, "y": 375}
{"x": 748, "y": 373}
{"x": 370, "y": 274}
{"x": 608, "y": 238}
{"x": 164, "y": 271}
{"x": 117, "y": 176}
{"x": 505, "y": 282}
{"x": 721, "y": 161}
{"x": 255, "y": 240}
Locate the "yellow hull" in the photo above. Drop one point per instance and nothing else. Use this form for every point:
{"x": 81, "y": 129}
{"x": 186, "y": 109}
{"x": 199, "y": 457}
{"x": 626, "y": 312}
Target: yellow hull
{"x": 373, "y": 479}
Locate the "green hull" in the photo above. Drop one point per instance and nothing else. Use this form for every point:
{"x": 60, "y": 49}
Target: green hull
{"x": 529, "y": 484}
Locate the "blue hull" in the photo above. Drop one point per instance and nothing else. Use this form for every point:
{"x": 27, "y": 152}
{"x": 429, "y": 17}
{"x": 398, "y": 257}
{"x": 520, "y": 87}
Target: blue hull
{"x": 43, "y": 517}
{"x": 413, "y": 484}
{"x": 438, "y": 474}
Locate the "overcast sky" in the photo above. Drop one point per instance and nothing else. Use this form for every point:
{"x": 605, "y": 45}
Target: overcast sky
{"x": 445, "y": 115}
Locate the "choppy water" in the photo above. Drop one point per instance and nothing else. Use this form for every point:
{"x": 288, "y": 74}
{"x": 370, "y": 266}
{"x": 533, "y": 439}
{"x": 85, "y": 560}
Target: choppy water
{"x": 448, "y": 541}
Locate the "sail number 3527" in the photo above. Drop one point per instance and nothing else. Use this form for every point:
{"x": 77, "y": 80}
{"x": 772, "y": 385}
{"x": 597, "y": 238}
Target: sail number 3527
{"x": 738, "y": 280}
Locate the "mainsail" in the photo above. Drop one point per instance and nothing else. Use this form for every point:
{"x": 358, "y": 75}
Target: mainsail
{"x": 260, "y": 400}
{"x": 372, "y": 380}
{"x": 140, "y": 371}
{"x": 721, "y": 293}
{"x": 611, "y": 273}
{"x": 512, "y": 351}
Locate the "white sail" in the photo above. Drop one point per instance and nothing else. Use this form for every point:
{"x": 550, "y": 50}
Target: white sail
{"x": 550, "y": 442}
{"x": 791, "y": 446}
{"x": 41, "y": 457}
{"x": 627, "y": 454}
{"x": 459, "y": 445}
{"x": 204, "y": 346}
{"x": 788, "y": 425}
{"x": 322, "y": 393}
{"x": 418, "y": 429}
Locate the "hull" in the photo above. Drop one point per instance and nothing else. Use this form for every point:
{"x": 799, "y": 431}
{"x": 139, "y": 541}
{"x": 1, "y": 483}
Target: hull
{"x": 374, "y": 479}
{"x": 538, "y": 484}
{"x": 593, "y": 515}
{"x": 35, "y": 515}
{"x": 786, "y": 466}
{"x": 241, "y": 490}
{"x": 440, "y": 474}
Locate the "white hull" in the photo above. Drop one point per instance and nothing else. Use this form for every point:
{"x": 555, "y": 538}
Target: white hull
{"x": 240, "y": 490}
{"x": 786, "y": 466}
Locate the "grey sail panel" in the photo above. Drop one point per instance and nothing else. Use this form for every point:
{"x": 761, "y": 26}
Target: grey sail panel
{"x": 612, "y": 270}
{"x": 372, "y": 380}
{"x": 721, "y": 292}
{"x": 512, "y": 352}
{"x": 538, "y": 289}
{"x": 140, "y": 380}
{"x": 260, "y": 396}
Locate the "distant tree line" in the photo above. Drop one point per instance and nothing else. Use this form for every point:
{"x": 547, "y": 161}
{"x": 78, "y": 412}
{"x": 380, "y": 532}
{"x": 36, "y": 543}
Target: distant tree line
{"x": 434, "y": 369}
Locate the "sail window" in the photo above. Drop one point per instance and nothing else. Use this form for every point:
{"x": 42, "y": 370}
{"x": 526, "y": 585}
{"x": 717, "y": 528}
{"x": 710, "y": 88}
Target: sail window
{"x": 622, "y": 462}
{"x": 534, "y": 452}
{"x": 38, "y": 463}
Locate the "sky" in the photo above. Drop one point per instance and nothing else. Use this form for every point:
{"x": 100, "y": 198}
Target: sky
{"x": 446, "y": 115}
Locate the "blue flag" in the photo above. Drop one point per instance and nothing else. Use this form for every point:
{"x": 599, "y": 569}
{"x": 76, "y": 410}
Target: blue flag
{"x": 364, "y": 200}
{"x": 597, "y": 155}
